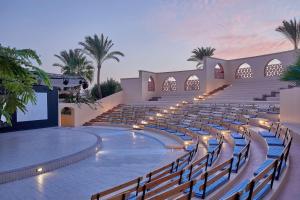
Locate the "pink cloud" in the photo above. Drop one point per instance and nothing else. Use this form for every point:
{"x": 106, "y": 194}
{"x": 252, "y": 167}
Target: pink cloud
{"x": 236, "y": 28}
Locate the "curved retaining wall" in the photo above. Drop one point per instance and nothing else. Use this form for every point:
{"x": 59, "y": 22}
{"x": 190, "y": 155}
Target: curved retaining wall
{"x": 24, "y": 172}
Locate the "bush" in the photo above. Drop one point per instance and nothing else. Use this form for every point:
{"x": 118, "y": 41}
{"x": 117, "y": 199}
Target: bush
{"x": 108, "y": 87}
{"x": 292, "y": 73}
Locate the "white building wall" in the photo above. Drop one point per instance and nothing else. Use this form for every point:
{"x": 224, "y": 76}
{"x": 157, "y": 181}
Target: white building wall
{"x": 258, "y": 63}
{"x": 211, "y": 82}
{"x": 132, "y": 88}
{"x": 136, "y": 89}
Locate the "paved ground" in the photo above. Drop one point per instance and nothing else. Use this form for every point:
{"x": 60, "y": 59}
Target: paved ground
{"x": 125, "y": 155}
{"x": 24, "y": 148}
{"x": 291, "y": 189}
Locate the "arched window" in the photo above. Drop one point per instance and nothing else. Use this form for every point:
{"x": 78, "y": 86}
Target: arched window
{"x": 219, "y": 71}
{"x": 244, "y": 71}
{"x": 169, "y": 84}
{"x": 274, "y": 68}
{"x": 151, "y": 84}
{"x": 192, "y": 83}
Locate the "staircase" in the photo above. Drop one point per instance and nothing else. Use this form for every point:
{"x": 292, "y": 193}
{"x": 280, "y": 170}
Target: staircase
{"x": 104, "y": 117}
{"x": 251, "y": 90}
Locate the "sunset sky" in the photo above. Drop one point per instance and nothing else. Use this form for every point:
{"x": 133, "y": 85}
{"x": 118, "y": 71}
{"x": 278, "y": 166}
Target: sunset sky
{"x": 155, "y": 35}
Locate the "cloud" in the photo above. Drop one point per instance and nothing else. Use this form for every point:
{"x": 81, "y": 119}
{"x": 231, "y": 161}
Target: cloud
{"x": 236, "y": 28}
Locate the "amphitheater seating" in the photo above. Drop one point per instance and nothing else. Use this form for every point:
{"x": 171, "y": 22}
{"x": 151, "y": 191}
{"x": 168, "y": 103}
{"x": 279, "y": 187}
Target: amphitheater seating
{"x": 192, "y": 122}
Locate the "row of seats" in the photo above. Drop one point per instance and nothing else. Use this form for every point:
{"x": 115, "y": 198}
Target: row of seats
{"x": 214, "y": 145}
{"x": 190, "y": 121}
{"x": 278, "y": 139}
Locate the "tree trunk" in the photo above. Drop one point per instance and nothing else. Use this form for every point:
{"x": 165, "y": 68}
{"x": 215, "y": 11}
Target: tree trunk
{"x": 98, "y": 81}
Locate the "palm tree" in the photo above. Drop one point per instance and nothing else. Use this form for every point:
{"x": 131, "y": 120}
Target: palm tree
{"x": 199, "y": 54}
{"x": 75, "y": 62}
{"x": 99, "y": 49}
{"x": 291, "y": 30}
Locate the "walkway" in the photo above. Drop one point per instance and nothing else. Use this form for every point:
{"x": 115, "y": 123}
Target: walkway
{"x": 290, "y": 189}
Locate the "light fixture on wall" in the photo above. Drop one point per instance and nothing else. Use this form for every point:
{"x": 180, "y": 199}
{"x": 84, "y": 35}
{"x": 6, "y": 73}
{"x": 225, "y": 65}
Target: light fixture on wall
{"x": 65, "y": 81}
{"x": 85, "y": 85}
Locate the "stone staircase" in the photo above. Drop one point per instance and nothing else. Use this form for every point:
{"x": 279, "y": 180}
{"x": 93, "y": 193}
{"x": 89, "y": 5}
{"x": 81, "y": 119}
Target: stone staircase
{"x": 251, "y": 90}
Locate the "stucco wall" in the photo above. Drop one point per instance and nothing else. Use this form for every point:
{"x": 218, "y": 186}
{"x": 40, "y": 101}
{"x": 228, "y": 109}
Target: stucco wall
{"x": 136, "y": 89}
{"x": 84, "y": 113}
{"x": 258, "y": 63}
{"x": 290, "y": 106}
{"x": 132, "y": 88}
{"x": 144, "y": 76}
{"x": 212, "y": 82}
{"x": 181, "y": 77}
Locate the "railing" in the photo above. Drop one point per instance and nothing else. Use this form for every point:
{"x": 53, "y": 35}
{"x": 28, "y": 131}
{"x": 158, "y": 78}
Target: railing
{"x": 176, "y": 193}
{"x": 129, "y": 186}
{"x": 258, "y": 183}
{"x": 211, "y": 176}
{"x": 242, "y": 156}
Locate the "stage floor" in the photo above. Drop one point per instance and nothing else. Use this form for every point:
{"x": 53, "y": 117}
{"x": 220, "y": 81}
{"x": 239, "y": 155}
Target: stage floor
{"x": 124, "y": 155}
{"x": 25, "y": 148}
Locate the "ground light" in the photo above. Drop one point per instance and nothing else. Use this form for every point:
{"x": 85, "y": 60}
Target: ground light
{"x": 137, "y": 127}
{"x": 159, "y": 114}
{"x": 39, "y": 170}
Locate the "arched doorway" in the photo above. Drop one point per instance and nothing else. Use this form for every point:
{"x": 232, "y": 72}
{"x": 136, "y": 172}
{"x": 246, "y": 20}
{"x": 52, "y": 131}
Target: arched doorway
{"x": 219, "y": 71}
{"x": 67, "y": 117}
{"x": 151, "y": 84}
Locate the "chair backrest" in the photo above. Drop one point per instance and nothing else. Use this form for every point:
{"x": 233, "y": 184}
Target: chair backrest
{"x": 177, "y": 192}
{"x": 216, "y": 173}
{"x": 159, "y": 185}
{"x": 243, "y": 155}
{"x": 129, "y": 186}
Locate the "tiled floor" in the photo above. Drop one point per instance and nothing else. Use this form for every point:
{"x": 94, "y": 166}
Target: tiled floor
{"x": 125, "y": 155}
{"x": 24, "y": 148}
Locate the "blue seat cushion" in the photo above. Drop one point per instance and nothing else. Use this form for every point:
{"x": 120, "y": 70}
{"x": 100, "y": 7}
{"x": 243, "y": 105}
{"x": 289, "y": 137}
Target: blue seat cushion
{"x": 259, "y": 195}
{"x": 183, "y": 125}
{"x": 240, "y": 142}
{"x": 185, "y": 176}
{"x": 194, "y": 129}
{"x": 171, "y": 131}
{"x": 186, "y": 137}
{"x": 275, "y": 151}
{"x": 178, "y": 133}
{"x": 151, "y": 126}
{"x": 262, "y": 193}
{"x": 238, "y": 188}
{"x": 213, "y": 141}
{"x": 236, "y": 135}
{"x": 273, "y": 141}
{"x": 266, "y": 134}
{"x": 228, "y": 120}
{"x": 263, "y": 166}
{"x": 200, "y": 132}
{"x": 210, "y": 188}
{"x": 237, "y": 150}
{"x": 163, "y": 128}
{"x": 190, "y": 147}
{"x": 210, "y": 149}
{"x": 213, "y": 125}
{"x": 235, "y": 162}
{"x": 238, "y": 123}
{"x": 220, "y": 128}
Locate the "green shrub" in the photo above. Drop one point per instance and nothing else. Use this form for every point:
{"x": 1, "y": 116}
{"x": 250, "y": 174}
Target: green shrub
{"x": 108, "y": 87}
{"x": 292, "y": 73}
